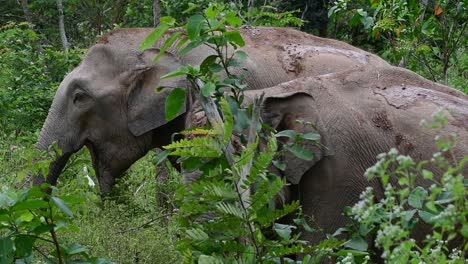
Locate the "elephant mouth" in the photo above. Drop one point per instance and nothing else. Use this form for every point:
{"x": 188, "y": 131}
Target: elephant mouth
{"x": 94, "y": 155}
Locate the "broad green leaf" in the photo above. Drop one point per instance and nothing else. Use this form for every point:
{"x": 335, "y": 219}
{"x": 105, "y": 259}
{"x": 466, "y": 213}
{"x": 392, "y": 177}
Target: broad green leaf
{"x": 153, "y": 37}
{"x": 207, "y": 62}
{"x": 311, "y": 136}
{"x": 167, "y": 20}
{"x": 232, "y": 19}
{"x": 211, "y": 12}
{"x": 204, "y": 259}
{"x": 62, "y": 206}
{"x": 300, "y": 152}
{"x": 194, "y": 26}
{"x": 24, "y": 245}
{"x": 427, "y": 174}
{"x": 160, "y": 157}
{"x": 208, "y": 89}
{"x": 235, "y": 37}
{"x": 357, "y": 243}
{"x": 192, "y": 45}
{"x": 286, "y": 133}
{"x": 284, "y": 231}
{"x": 426, "y": 216}
{"x": 166, "y": 45}
{"x": 174, "y": 102}
{"x": 30, "y": 204}
{"x": 279, "y": 164}
{"x": 241, "y": 55}
{"x": 6, "y": 250}
{"x": 74, "y": 249}
{"x": 417, "y": 197}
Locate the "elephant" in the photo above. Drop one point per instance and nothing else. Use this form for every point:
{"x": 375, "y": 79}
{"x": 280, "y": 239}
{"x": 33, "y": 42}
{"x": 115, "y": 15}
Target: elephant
{"x": 359, "y": 114}
{"x": 361, "y": 105}
{"x": 108, "y": 103}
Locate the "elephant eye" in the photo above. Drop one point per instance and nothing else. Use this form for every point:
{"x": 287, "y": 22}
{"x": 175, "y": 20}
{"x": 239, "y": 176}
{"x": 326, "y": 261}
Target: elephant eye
{"x": 79, "y": 97}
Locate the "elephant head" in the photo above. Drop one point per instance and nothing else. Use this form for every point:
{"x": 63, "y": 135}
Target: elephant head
{"x": 109, "y": 105}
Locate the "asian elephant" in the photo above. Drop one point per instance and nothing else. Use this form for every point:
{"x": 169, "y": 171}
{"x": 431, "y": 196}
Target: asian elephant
{"x": 359, "y": 113}
{"x": 108, "y": 103}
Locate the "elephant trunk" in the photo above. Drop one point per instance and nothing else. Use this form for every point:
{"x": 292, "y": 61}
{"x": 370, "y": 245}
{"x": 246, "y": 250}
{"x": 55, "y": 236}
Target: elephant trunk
{"x": 50, "y": 134}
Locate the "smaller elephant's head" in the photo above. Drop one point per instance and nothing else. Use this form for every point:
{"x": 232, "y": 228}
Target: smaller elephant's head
{"x": 108, "y": 104}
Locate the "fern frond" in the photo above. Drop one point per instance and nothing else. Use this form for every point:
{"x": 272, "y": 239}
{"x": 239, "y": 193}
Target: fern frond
{"x": 197, "y": 234}
{"x": 230, "y": 209}
{"x": 267, "y": 218}
{"x": 221, "y": 190}
{"x": 265, "y": 192}
{"x": 203, "y": 147}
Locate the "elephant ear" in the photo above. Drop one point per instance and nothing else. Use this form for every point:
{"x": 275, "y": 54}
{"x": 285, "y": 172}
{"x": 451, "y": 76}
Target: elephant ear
{"x": 146, "y": 106}
{"x": 286, "y": 111}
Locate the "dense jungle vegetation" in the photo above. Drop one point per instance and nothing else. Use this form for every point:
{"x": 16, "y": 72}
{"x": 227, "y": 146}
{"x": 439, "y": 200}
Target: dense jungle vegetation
{"x": 42, "y": 40}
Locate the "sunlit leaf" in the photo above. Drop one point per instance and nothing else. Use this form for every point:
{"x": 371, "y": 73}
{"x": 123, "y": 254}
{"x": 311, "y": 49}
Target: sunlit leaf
{"x": 174, "y": 102}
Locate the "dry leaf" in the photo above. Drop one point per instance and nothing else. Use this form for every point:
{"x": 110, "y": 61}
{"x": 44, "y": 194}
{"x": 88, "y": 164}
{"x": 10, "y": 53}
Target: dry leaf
{"x": 438, "y": 10}
{"x": 400, "y": 28}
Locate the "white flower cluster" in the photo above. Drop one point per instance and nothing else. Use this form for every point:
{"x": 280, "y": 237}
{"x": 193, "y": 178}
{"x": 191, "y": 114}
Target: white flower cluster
{"x": 456, "y": 254}
{"x": 448, "y": 215}
{"x": 349, "y": 259}
{"x": 361, "y": 209}
{"x": 390, "y": 233}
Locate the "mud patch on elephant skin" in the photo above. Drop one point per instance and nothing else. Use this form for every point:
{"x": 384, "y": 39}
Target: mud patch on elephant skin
{"x": 398, "y": 139}
{"x": 380, "y": 120}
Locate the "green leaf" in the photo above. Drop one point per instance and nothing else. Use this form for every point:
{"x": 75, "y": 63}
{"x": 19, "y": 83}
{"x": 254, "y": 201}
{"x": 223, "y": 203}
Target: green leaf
{"x": 204, "y": 259}
{"x": 426, "y": 216}
{"x": 427, "y": 174}
{"x": 174, "y": 102}
{"x": 161, "y": 157}
{"x": 192, "y": 45}
{"x": 300, "y": 152}
{"x": 6, "y": 250}
{"x": 284, "y": 231}
{"x": 166, "y": 45}
{"x": 417, "y": 197}
{"x": 207, "y": 62}
{"x": 24, "y": 245}
{"x": 232, "y": 19}
{"x": 183, "y": 70}
{"x": 235, "y": 37}
{"x": 286, "y": 133}
{"x": 29, "y": 204}
{"x": 357, "y": 243}
{"x": 279, "y": 164}
{"x": 74, "y": 249}
{"x": 210, "y": 12}
{"x": 241, "y": 55}
{"x": 61, "y": 205}
{"x": 311, "y": 136}
{"x": 167, "y": 20}
{"x": 208, "y": 89}
{"x": 153, "y": 37}
{"x": 194, "y": 26}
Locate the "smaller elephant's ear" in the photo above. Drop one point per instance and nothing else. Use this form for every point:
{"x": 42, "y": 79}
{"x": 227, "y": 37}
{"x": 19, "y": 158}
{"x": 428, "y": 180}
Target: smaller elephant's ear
{"x": 286, "y": 111}
{"x": 146, "y": 106}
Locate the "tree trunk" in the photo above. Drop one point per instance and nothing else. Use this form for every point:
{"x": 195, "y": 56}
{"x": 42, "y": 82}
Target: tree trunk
{"x": 27, "y": 13}
{"x": 156, "y": 12}
{"x": 63, "y": 35}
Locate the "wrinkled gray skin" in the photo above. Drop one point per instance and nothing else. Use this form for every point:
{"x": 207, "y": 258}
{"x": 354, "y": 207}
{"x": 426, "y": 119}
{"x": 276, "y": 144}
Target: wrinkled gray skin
{"x": 360, "y": 113}
{"x": 108, "y": 102}
{"x": 361, "y": 105}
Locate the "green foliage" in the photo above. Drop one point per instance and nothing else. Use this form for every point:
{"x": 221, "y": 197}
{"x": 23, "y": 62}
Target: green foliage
{"x": 390, "y": 221}
{"x": 29, "y": 76}
{"x": 33, "y": 220}
{"x": 427, "y": 37}
{"x": 227, "y": 214}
